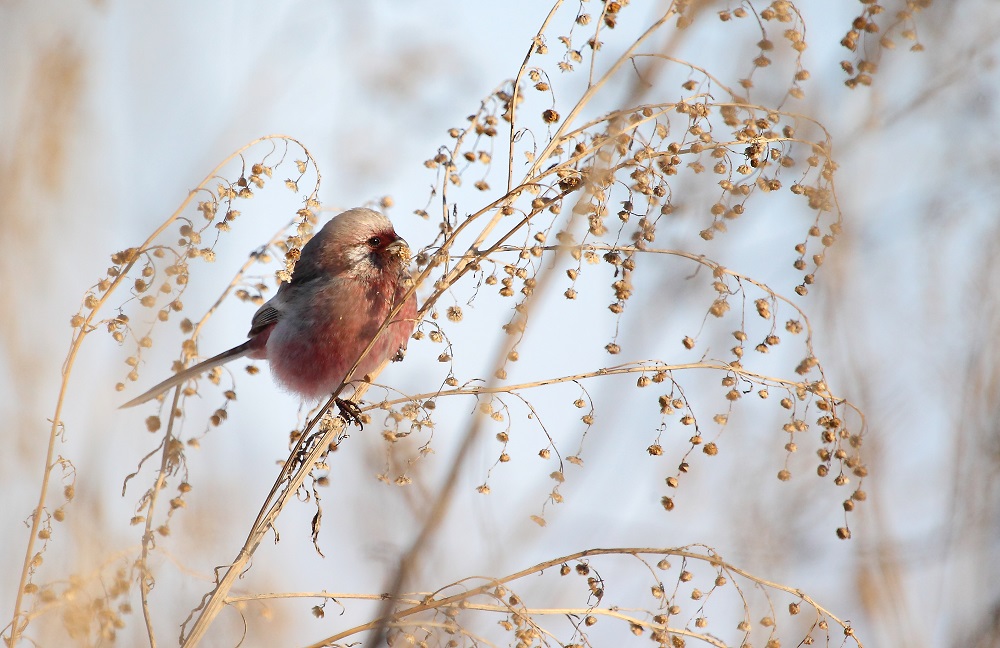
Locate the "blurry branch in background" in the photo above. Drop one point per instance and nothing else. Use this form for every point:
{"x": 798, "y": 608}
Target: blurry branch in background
{"x": 600, "y": 181}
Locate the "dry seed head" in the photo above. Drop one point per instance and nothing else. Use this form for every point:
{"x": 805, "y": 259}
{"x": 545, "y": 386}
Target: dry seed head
{"x": 719, "y": 307}
{"x": 665, "y": 406}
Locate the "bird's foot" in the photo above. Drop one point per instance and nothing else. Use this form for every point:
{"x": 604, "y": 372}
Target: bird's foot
{"x": 350, "y": 412}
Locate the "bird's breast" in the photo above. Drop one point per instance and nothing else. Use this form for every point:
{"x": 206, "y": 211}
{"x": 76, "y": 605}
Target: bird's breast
{"x": 314, "y": 346}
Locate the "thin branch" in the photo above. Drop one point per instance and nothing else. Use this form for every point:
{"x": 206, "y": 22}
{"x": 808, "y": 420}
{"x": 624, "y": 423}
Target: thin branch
{"x": 462, "y": 599}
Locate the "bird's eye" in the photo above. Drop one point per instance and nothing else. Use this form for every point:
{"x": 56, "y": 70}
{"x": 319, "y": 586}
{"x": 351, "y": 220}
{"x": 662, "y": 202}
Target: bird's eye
{"x": 374, "y": 242}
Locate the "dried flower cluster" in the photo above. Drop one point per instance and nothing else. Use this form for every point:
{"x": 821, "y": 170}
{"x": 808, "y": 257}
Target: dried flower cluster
{"x": 596, "y": 191}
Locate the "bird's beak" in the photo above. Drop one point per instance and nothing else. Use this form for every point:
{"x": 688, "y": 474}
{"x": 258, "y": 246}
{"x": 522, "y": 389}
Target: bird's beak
{"x": 399, "y": 248}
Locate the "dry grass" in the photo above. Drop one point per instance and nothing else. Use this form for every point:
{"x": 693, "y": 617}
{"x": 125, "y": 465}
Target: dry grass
{"x": 553, "y": 192}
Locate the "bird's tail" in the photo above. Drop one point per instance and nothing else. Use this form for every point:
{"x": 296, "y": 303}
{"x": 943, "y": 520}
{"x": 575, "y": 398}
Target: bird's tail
{"x": 190, "y": 372}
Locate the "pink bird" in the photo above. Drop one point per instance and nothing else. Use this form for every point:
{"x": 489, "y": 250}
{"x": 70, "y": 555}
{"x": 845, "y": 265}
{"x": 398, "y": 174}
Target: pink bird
{"x": 347, "y": 280}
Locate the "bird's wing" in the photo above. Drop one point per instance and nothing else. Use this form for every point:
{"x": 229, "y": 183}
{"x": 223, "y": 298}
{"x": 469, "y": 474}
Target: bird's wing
{"x": 265, "y": 316}
{"x": 274, "y": 309}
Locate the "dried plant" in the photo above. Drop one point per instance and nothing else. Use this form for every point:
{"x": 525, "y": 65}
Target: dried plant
{"x": 605, "y": 142}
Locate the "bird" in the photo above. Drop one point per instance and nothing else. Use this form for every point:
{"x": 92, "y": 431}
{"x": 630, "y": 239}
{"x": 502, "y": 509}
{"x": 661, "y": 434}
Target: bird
{"x": 347, "y": 280}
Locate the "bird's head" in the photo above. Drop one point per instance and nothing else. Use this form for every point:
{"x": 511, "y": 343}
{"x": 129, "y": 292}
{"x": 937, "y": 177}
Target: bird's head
{"x": 358, "y": 243}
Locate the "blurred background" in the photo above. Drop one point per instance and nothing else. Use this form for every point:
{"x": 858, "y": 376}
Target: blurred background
{"x": 110, "y": 112}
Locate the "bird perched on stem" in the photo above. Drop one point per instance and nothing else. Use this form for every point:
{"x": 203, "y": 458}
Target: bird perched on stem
{"x": 348, "y": 279}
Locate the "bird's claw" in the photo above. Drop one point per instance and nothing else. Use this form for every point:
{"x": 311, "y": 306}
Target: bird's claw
{"x": 350, "y": 412}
